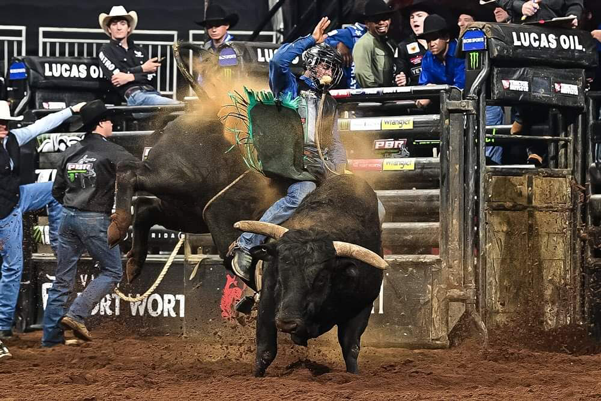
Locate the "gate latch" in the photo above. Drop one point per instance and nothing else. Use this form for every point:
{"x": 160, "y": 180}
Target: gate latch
{"x": 465, "y": 106}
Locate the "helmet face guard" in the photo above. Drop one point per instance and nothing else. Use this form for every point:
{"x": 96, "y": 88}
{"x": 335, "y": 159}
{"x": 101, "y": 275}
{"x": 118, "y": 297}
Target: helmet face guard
{"x": 323, "y": 57}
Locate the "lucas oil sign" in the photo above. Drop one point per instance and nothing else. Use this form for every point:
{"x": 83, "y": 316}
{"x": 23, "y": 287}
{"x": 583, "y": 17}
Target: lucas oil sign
{"x": 72, "y": 70}
{"x": 542, "y": 40}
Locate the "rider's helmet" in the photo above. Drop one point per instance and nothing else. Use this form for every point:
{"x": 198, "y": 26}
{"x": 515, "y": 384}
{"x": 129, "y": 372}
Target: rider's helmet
{"x": 319, "y": 57}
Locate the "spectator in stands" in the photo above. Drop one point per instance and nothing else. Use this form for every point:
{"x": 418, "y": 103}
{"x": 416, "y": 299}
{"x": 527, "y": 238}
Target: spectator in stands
{"x": 216, "y": 24}
{"x": 127, "y": 65}
{"x": 411, "y": 51}
{"x": 535, "y": 10}
{"x": 440, "y": 66}
{"x": 344, "y": 41}
{"x": 16, "y": 199}
{"x": 501, "y": 15}
{"x": 374, "y": 52}
{"x": 4, "y": 352}
{"x": 85, "y": 186}
{"x": 464, "y": 19}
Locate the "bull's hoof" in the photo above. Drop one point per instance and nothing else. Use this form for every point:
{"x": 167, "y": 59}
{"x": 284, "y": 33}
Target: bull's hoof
{"x": 132, "y": 270}
{"x": 120, "y": 222}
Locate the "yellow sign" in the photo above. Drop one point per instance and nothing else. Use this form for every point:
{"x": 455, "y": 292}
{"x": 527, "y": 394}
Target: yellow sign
{"x": 397, "y": 123}
{"x": 404, "y": 164}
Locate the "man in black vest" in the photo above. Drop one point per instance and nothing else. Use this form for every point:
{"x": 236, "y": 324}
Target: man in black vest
{"x": 16, "y": 199}
{"x": 85, "y": 186}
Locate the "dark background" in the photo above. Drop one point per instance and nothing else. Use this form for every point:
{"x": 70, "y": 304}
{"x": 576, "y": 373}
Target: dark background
{"x": 181, "y": 15}
{"x": 177, "y": 15}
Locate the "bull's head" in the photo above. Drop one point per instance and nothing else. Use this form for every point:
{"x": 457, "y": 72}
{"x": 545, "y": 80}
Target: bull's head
{"x": 307, "y": 267}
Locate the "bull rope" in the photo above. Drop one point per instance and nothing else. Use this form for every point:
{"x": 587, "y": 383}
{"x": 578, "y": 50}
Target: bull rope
{"x": 159, "y": 278}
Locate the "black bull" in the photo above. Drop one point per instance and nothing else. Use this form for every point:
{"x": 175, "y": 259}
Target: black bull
{"x": 310, "y": 283}
{"x": 186, "y": 168}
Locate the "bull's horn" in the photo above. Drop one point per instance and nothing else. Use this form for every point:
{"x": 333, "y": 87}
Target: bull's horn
{"x": 259, "y": 227}
{"x": 358, "y": 252}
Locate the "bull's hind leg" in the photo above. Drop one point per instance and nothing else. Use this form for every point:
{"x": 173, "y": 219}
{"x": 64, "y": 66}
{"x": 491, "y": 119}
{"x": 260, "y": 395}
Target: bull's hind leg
{"x": 147, "y": 213}
{"x": 127, "y": 177}
{"x": 267, "y": 334}
{"x": 349, "y": 337}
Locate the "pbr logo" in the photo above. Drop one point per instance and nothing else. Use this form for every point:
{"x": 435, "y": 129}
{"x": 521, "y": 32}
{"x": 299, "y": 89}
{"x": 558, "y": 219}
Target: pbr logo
{"x": 390, "y": 144}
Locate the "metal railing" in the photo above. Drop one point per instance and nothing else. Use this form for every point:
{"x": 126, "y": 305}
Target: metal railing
{"x": 12, "y": 44}
{"x": 83, "y": 42}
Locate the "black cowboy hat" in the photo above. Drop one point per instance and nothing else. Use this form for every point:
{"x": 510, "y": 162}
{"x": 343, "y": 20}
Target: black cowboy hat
{"x": 216, "y": 13}
{"x": 90, "y": 115}
{"x": 377, "y": 8}
{"x": 419, "y": 5}
{"x": 478, "y": 12}
{"x": 434, "y": 23}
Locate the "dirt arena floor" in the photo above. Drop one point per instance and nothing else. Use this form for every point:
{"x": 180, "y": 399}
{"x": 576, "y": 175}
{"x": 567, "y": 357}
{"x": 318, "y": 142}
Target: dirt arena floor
{"x": 117, "y": 366}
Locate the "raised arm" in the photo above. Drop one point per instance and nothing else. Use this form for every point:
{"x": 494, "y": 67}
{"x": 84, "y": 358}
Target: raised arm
{"x": 281, "y": 79}
{"x": 44, "y": 125}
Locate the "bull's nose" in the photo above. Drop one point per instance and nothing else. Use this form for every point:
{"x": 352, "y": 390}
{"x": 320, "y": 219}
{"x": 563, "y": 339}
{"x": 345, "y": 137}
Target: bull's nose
{"x": 287, "y": 326}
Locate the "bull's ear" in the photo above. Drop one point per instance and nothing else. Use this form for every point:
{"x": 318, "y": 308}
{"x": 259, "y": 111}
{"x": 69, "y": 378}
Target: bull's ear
{"x": 264, "y": 252}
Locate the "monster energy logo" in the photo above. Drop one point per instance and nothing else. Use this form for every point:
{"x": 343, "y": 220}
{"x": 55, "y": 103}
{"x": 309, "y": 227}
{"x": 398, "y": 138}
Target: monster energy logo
{"x": 227, "y": 73}
{"x": 491, "y": 140}
{"x": 73, "y": 173}
{"x": 474, "y": 60}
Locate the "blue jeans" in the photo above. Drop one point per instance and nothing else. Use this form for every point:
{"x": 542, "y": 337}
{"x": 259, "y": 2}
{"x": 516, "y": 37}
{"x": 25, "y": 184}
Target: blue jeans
{"x": 494, "y": 116}
{"x": 279, "y": 212}
{"x": 31, "y": 197}
{"x": 80, "y": 231}
{"x": 148, "y": 98}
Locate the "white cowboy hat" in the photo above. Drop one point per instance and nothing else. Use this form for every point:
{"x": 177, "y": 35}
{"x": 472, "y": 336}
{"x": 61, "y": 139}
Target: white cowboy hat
{"x": 118, "y": 11}
{"x": 5, "y": 112}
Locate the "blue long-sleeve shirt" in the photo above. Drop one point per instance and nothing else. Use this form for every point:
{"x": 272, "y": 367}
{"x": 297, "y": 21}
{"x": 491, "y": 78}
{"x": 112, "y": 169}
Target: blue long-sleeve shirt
{"x": 281, "y": 78}
{"x": 282, "y": 81}
{"x": 43, "y": 125}
{"x": 348, "y": 36}
{"x": 451, "y": 72}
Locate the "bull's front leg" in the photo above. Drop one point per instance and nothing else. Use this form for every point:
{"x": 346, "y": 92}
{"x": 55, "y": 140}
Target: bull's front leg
{"x": 267, "y": 334}
{"x": 147, "y": 213}
{"x": 349, "y": 337}
{"x": 125, "y": 189}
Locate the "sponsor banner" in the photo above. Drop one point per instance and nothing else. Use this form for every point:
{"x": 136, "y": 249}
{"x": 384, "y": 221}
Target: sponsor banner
{"x": 397, "y": 123}
{"x": 17, "y": 71}
{"x": 517, "y": 86}
{"x": 366, "y": 164}
{"x": 390, "y": 144}
{"x": 376, "y": 124}
{"x": 473, "y": 40}
{"x": 365, "y": 124}
{"x": 390, "y": 164}
{"x": 51, "y": 143}
{"x": 399, "y": 164}
{"x": 566, "y": 89}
